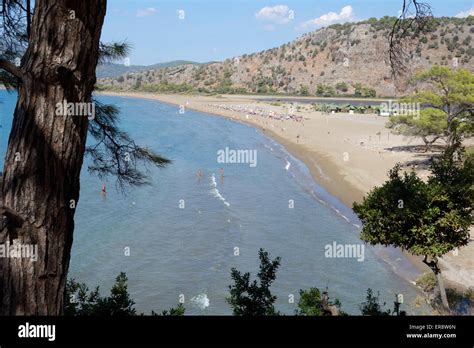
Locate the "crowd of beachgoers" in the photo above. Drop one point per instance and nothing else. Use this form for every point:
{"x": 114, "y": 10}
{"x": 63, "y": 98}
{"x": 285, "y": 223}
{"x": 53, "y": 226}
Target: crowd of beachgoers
{"x": 254, "y": 111}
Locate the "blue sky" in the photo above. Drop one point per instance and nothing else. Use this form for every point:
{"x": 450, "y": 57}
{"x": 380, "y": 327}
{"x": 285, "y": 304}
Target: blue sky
{"x": 213, "y": 30}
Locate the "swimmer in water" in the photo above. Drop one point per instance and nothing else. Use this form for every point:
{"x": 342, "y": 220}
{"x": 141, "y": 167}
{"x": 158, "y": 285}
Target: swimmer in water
{"x": 104, "y": 189}
{"x": 199, "y": 175}
{"x": 222, "y": 173}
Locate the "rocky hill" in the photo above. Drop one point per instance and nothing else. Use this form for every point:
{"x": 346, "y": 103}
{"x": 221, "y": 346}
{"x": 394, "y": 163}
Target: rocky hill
{"x": 115, "y": 70}
{"x": 342, "y": 59}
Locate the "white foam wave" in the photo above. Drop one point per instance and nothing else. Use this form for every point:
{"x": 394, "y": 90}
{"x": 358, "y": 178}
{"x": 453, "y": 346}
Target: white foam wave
{"x": 201, "y": 301}
{"x": 269, "y": 147}
{"x": 215, "y": 192}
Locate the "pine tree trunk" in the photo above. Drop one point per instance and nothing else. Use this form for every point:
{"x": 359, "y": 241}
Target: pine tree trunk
{"x": 45, "y": 154}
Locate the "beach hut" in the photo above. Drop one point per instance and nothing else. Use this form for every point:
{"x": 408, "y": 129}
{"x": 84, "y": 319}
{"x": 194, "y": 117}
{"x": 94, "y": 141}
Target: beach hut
{"x": 351, "y": 109}
{"x": 332, "y": 108}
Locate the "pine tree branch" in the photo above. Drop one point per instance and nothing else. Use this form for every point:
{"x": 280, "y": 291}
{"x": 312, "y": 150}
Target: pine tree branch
{"x": 11, "y": 68}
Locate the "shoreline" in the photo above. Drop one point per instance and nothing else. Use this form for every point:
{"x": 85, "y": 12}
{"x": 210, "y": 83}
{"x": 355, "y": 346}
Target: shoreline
{"x": 319, "y": 165}
{"x": 347, "y": 183}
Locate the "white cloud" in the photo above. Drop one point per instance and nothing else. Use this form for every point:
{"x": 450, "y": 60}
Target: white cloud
{"x": 279, "y": 14}
{"x": 346, "y": 15}
{"x": 149, "y": 11}
{"x": 464, "y": 14}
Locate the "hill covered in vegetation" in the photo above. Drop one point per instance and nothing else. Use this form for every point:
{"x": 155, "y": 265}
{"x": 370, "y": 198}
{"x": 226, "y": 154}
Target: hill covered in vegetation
{"x": 342, "y": 59}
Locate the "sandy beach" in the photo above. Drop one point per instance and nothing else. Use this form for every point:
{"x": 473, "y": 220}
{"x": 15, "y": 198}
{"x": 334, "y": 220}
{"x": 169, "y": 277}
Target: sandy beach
{"x": 348, "y": 154}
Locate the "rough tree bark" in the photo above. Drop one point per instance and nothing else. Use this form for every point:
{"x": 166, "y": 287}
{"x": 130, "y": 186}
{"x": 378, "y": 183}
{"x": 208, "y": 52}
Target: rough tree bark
{"x": 434, "y": 266}
{"x": 45, "y": 153}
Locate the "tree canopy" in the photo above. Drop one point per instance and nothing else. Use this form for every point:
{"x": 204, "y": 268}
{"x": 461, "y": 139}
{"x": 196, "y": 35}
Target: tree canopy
{"x": 428, "y": 218}
{"x": 254, "y": 297}
{"x": 425, "y": 218}
{"x": 80, "y": 301}
{"x": 446, "y": 99}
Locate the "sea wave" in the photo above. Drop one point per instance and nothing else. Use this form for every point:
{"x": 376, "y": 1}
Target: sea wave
{"x": 215, "y": 192}
{"x": 200, "y": 301}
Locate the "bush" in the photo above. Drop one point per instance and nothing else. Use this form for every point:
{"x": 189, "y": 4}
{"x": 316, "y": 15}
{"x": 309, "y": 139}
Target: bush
{"x": 342, "y": 86}
{"x": 372, "y": 305}
{"x": 461, "y": 302}
{"x": 427, "y": 282}
{"x": 304, "y": 90}
{"x": 325, "y": 90}
{"x": 364, "y": 92}
{"x": 254, "y": 297}
{"x": 311, "y": 304}
{"x": 165, "y": 87}
{"x": 79, "y": 301}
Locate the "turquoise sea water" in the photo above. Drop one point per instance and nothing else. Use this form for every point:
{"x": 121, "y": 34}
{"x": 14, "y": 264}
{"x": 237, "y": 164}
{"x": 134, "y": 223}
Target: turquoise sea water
{"x": 189, "y": 251}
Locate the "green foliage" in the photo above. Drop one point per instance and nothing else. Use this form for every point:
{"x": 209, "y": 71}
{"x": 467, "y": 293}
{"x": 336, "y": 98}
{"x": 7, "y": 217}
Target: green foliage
{"x": 114, "y": 147}
{"x": 113, "y": 51}
{"x": 304, "y": 91}
{"x": 254, "y": 298}
{"x": 310, "y": 303}
{"x": 372, "y": 305}
{"x": 427, "y": 282}
{"x": 79, "y": 301}
{"x": 227, "y": 74}
{"x": 355, "y": 42}
{"x": 325, "y": 90}
{"x": 461, "y": 302}
{"x": 425, "y": 218}
{"x": 172, "y": 312}
{"x": 166, "y": 87}
{"x": 447, "y": 102}
{"x": 467, "y": 40}
{"x": 363, "y": 91}
{"x": 358, "y": 109}
{"x": 342, "y": 87}
{"x": 430, "y": 125}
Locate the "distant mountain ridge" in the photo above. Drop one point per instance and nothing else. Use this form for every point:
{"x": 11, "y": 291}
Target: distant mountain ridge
{"x": 342, "y": 59}
{"x": 115, "y": 70}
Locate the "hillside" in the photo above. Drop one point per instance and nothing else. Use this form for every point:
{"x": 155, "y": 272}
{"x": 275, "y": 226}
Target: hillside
{"x": 114, "y": 70}
{"x": 342, "y": 59}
